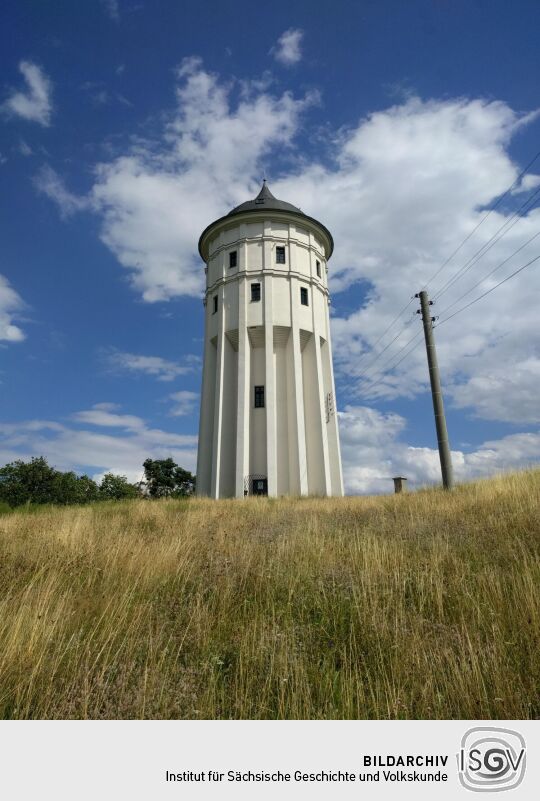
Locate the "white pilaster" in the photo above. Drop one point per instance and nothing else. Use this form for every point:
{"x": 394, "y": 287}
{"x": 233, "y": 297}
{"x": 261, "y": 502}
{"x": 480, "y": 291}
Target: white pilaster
{"x": 270, "y": 391}
{"x": 218, "y": 411}
{"x": 204, "y": 452}
{"x": 322, "y": 412}
{"x": 336, "y": 455}
{"x": 242, "y": 420}
{"x": 298, "y": 388}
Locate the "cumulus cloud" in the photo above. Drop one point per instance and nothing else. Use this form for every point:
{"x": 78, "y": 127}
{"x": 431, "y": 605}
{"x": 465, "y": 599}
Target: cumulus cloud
{"x": 10, "y": 305}
{"x": 373, "y": 451}
{"x": 409, "y": 184}
{"x": 288, "y": 47}
{"x": 506, "y": 391}
{"x": 155, "y": 201}
{"x": 98, "y": 441}
{"x": 162, "y": 369}
{"x": 34, "y": 103}
{"x": 399, "y": 189}
{"x": 184, "y": 402}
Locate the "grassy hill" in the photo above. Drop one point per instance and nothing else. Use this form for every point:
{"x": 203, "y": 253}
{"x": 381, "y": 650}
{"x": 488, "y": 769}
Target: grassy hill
{"x": 416, "y": 606}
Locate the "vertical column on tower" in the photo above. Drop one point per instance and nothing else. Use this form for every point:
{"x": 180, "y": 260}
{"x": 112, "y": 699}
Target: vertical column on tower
{"x": 218, "y": 409}
{"x": 317, "y": 309}
{"x": 242, "y": 420}
{"x": 206, "y": 422}
{"x": 270, "y": 389}
{"x": 336, "y": 470}
{"x": 297, "y": 380}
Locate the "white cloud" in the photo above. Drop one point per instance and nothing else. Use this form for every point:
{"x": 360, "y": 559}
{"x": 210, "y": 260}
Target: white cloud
{"x": 287, "y": 50}
{"x": 162, "y": 369}
{"x": 373, "y": 452}
{"x": 35, "y": 103}
{"x": 184, "y": 402}
{"x": 73, "y": 448}
{"x": 409, "y": 183}
{"x": 48, "y": 182}
{"x": 502, "y": 390}
{"x": 399, "y": 190}
{"x": 101, "y": 439}
{"x": 156, "y": 200}
{"x": 10, "y": 304}
{"x": 102, "y": 415}
{"x": 527, "y": 183}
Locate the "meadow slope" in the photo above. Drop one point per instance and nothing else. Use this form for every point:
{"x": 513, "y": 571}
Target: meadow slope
{"x": 424, "y": 605}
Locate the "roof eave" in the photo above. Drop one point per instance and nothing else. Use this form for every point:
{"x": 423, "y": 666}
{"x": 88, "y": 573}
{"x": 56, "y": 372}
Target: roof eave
{"x": 266, "y": 213}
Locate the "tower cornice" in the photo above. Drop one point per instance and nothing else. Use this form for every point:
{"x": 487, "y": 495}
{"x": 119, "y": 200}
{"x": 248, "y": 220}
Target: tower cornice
{"x": 252, "y": 215}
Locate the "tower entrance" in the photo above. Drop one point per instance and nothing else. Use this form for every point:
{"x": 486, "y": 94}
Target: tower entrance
{"x": 256, "y": 485}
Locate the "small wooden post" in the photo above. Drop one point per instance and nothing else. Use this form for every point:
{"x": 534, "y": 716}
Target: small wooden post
{"x": 399, "y": 485}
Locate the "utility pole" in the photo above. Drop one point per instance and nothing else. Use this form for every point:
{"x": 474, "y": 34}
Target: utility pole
{"x": 436, "y": 392}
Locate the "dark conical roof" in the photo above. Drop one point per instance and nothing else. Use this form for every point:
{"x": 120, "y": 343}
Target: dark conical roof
{"x": 264, "y": 200}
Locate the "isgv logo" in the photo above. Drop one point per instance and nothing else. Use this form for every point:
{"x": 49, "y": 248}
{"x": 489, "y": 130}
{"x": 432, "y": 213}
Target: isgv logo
{"x": 491, "y": 759}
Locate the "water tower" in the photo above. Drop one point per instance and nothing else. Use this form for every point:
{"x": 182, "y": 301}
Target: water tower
{"x": 268, "y": 422}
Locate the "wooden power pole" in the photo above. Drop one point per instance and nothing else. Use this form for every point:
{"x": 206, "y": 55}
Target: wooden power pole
{"x": 436, "y": 392}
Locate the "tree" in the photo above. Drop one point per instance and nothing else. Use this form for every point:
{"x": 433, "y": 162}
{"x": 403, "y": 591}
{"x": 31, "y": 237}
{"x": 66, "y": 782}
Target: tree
{"x": 37, "y": 482}
{"x": 71, "y": 488}
{"x": 115, "y": 487}
{"x": 164, "y": 478}
{"x": 28, "y": 482}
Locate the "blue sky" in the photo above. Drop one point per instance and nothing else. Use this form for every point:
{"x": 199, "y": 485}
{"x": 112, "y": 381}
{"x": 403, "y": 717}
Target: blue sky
{"x": 126, "y": 127}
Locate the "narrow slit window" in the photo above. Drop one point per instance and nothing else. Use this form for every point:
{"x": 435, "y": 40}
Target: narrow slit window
{"x": 255, "y": 292}
{"x": 318, "y": 266}
{"x": 304, "y": 300}
{"x": 280, "y": 254}
{"x": 215, "y": 304}
{"x": 233, "y": 258}
{"x": 259, "y": 397}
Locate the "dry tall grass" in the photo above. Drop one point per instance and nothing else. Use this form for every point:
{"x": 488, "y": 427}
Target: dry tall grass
{"x": 418, "y": 606}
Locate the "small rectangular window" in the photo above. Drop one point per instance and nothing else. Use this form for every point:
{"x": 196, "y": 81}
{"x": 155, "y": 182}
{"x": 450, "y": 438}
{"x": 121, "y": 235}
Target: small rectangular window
{"x": 318, "y": 266}
{"x": 255, "y": 292}
{"x": 280, "y": 254}
{"x": 233, "y": 258}
{"x": 259, "y": 397}
{"x": 304, "y": 296}
{"x": 215, "y": 304}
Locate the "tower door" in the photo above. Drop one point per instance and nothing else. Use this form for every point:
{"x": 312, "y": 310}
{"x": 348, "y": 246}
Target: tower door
{"x": 260, "y": 486}
{"x": 256, "y": 485}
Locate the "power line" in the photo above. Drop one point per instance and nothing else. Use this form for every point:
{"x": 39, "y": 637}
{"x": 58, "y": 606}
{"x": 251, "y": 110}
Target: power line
{"x": 468, "y": 264}
{"x": 404, "y": 309}
{"x": 493, "y": 288}
{"x": 376, "y": 378}
{"x": 378, "y": 356}
{"x": 494, "y": 270}
{"x": 497, "y": 236}
{"x": 484, "y": 218}
{"x": 419, "y": 334}
{"x": 378, "y": 375}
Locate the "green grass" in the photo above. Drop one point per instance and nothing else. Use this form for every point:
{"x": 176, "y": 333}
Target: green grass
{"x": 424, "y": 605}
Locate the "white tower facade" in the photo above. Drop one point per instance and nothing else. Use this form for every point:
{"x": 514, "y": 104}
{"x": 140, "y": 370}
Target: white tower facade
{"x": 268, "y": 422}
